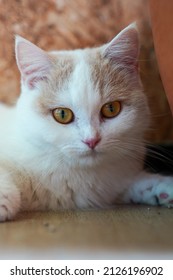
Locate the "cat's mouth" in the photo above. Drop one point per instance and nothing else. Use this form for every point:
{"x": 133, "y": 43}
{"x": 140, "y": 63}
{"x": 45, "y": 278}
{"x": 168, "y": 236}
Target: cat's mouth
{"x": 89, "y": 157}
{"x": 89, "y": 153}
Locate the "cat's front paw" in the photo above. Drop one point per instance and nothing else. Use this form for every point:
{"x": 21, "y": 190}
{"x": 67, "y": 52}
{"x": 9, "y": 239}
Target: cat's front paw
{"x": 164, "y": 192}
{"x": 152, "y": 189}
{"x": 10, "y": 202}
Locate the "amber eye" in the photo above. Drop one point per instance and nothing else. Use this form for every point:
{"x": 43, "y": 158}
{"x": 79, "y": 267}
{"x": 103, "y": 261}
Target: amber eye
{"x": 111, "y": 109}
{"x": 63, "y": 115}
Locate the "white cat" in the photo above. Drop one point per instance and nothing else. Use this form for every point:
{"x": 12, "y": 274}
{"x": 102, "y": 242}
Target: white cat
{"x": 76, "y": 135}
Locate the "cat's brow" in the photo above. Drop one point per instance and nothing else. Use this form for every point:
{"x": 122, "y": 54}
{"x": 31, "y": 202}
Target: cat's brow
{"x": 106, "y": 79}
{"x": 63, "y": 68}
{"x": 61, "y": 73}
{"x": 103, "y": 78}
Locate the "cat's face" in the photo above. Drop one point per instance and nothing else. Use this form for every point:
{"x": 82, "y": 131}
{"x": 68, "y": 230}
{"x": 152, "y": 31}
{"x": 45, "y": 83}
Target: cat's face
{"x": 86, "y": 105}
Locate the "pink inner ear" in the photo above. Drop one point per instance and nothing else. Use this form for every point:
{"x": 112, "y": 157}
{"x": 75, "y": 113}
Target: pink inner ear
{"x": 33, "y": 80}
{"x": 34, "y": 64}
{"x": 124, "y": 48}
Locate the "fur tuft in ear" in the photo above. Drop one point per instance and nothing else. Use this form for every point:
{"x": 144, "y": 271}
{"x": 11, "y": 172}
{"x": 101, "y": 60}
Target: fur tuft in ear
{"x": 34, "y": 63}
{"x": 124, "y": 48}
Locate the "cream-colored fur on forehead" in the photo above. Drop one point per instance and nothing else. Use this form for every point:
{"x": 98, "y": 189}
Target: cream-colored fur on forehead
{"x": 84, "y": 75}
{"x": 73, "y": 78}
{"x": 62, "y": 67}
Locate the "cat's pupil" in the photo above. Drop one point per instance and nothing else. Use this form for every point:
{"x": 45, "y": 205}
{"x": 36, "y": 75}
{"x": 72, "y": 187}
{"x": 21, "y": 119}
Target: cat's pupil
{"x": 111, "y": 108}
{"x": 62, "y": 114}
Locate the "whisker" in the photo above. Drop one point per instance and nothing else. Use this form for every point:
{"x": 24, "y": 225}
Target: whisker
{"x": 160, "y": 158}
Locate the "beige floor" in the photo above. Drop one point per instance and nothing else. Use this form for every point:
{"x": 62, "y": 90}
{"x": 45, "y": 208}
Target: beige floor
{"x": 125, "y": 229}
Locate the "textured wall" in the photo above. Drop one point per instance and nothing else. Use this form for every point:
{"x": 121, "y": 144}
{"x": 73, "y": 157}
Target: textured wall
{"x": 59, "y": 24}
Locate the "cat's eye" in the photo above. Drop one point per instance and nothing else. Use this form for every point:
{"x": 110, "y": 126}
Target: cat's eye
{"x": 63, "y": 115}
{"x": 111, "y": 109}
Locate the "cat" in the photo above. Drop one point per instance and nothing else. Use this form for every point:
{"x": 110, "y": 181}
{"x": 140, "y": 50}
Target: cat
{"x": 75, "y": 138}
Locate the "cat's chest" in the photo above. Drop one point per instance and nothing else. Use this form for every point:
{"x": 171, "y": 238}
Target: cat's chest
{"x": 61, "y": 181}
{"x": 84, "y": 188}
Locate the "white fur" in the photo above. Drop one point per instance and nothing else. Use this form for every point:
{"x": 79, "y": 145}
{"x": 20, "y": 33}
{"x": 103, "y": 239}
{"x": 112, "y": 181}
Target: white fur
{"x": 47, "y": 164}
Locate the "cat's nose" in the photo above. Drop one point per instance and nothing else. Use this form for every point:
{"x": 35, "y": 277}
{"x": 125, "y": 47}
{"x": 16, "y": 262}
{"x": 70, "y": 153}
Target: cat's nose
{"x": 92, "y": 142}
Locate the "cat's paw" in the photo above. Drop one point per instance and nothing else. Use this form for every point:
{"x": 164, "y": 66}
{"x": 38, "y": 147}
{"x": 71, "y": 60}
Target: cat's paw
{"x": 10, "y": 202}
{"x": 164, "y": 192}
{"x": 152, "y": 189}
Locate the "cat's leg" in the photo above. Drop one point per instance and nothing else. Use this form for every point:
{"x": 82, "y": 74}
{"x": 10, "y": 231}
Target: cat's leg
{"x": 10, "y": 200}
{"x": 152, "y": 189}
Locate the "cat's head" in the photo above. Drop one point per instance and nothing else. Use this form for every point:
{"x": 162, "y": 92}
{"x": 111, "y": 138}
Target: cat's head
{"x": 83, "y": 105}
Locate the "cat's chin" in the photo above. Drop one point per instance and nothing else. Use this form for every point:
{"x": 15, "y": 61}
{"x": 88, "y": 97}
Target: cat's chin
{"x": 88, "y": 158}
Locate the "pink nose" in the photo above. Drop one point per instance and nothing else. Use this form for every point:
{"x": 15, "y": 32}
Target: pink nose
{"x": 92, "y": 143}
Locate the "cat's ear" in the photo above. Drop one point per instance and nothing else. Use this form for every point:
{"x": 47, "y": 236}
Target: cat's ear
{"x": 123, "y": 50}
{"x": 34, "y": 63}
